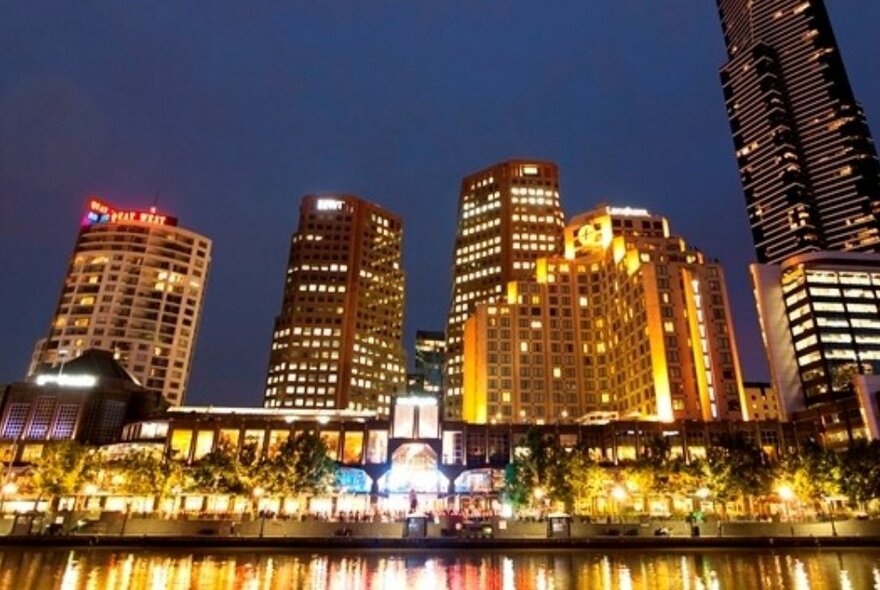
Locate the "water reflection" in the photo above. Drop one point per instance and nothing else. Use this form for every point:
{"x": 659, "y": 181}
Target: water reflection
{"x": 99, "y": 569}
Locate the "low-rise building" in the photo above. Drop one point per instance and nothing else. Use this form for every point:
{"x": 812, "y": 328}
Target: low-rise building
{"x": 88, "y": 399}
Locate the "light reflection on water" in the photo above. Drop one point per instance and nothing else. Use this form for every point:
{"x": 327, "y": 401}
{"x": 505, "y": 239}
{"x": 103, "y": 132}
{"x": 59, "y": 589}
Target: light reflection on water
{"x": 100, "y": 569}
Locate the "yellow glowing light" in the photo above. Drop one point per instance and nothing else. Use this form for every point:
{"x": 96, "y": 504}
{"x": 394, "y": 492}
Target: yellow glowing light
{"x": 785, "y": 492}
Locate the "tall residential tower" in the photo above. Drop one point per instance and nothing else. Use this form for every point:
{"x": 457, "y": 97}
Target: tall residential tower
{"x": 337, "y": 342}
{"x": 508, "y": 216}
{"x": 807, "y": 162}
{"x": 134, "y": 286}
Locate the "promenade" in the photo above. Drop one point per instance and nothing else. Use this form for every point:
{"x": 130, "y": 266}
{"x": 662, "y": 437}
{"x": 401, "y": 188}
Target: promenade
{"x": 494, "y": 533}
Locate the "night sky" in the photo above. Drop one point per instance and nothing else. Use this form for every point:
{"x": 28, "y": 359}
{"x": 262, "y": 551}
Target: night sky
{"x": 233, "y": 110}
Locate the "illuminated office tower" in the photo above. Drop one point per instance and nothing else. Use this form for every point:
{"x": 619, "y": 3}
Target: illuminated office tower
{"x": 821, "y": 325}
{"x": 337, "y": 342}
{"x": 135, "y": 286}
{"x": 430, "y": 358}
{"x": 807, "y": 162}
{"x": 508, "y": 216}
{"x": 630, "y": 323}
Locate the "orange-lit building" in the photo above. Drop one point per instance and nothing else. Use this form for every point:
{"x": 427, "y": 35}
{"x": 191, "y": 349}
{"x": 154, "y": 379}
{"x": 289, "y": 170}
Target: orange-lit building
{"x": 337, "y": 342}
{"x": 630, "y": 322}
{"x": 135, "y": 286}
{"x": 509, "y": 215}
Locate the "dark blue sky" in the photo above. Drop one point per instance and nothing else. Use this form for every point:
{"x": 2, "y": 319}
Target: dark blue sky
{"x": 233, "y": 110}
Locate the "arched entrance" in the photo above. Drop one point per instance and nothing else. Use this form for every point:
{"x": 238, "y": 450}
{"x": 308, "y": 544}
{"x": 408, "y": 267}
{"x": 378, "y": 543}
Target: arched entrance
{"x": 413, "y": 476}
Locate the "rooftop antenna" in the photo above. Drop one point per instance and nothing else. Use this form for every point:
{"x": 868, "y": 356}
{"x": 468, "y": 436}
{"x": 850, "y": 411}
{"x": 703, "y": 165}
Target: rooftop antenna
{"x": 155, "y": 201}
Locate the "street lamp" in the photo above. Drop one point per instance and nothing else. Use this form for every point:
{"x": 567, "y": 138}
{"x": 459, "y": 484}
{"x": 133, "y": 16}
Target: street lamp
{"x": 619, "y": 493}
{"x": 786, "y": 494}
{"x": 125, "y": 517}
{"x": 258, "y": 493}
{"x": 831, "y": 516}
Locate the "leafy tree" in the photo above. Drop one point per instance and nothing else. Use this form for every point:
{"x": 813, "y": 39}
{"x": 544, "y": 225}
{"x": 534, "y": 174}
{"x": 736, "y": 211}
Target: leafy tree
{"x": 586, "y": 480}
{"x": 519, "y": 483}
{"x": 537, "y": 467}
{"x": 144, "y": 473}
{"x": 860, "y": 472}
{"x": 814, "y": 474}
{"x": 737, "y": 467}
{"x": 565, "y": 476}
{"x": 219, "y": 472}
{"x": 63, "y": 469}
{"x": 301, "y": 465}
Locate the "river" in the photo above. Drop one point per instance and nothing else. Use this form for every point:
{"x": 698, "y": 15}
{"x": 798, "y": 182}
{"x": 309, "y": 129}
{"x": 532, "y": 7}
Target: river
{"x": 99, "y": 569}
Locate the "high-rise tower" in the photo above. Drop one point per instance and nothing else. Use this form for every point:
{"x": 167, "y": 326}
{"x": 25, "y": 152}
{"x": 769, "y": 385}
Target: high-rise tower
{"x": 337, "y": 342}
{"x": 508, "y": 216}
{"x": 807, "y": 162}
{"x": 134, "y": 286}
{"x": 632, "y": 323}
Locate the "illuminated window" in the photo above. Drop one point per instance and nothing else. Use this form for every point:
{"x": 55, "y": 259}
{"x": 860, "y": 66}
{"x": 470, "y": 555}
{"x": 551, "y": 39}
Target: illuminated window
{"x": 180, "y": 443}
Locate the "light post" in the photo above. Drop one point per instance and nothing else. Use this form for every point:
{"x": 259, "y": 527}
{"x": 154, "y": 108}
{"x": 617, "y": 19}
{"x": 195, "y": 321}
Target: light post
{"x": 701, "y": 495}
{"x": 831, "y": 516}
{"x": 539, "y": 493}
{"x": 175, "y": 492}
{"x": 125, "y": 517}
{"x": 619, "y": 493}
{"x": 786, "y": 494}
{"x": 258, "y": 493}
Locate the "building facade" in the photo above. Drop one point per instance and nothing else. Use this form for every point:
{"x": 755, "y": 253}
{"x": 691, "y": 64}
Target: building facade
{"x": 509, "y": 215}
{"x": 90, "y": 402}
{"x": 820, "y": 324}
{"x": 383, "y": 461}
{"x": 430, "y": 358}
{"x": 337, "y": 341}
{"x": 135, "y": 286}
{"x": 807, "y": 162}
{"x": 762, "y": 400}
{"x": 631, "y": 322}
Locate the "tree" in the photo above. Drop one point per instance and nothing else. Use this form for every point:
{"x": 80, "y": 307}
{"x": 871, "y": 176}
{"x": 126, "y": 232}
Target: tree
{"x": 145, "y": 473}
{"x": 814, "y": 474}
{"x": 519, "y": 483}
{"x": 586, "y": 480}
{"x": 860, "y": 472}
{"x": 219, "y": 472}
{"x": 63, "y": 469}
{"x": 529, "y": 471}
{"x": 563, "y": 476}
{"x": 301, "y": 466}
{"x": 737, "y": 467}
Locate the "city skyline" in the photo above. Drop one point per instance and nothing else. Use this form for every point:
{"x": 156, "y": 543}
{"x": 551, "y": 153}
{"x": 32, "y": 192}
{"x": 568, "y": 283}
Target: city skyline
{"x": 251, "y": 276}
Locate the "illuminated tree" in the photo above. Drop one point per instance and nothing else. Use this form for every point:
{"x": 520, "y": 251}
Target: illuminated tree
{"x": 814, "y": 474}
{"x": 62, "y": 470}
{"x": 219, "y": 472}
{"x": 301, "y": 466}
{"x": 145, "y": 473}
{"x": 736, "y": 467}
{"x": 860, "y": 472}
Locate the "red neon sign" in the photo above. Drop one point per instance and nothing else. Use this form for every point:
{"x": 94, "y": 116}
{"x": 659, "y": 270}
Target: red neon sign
{"x": 100, "y": 212}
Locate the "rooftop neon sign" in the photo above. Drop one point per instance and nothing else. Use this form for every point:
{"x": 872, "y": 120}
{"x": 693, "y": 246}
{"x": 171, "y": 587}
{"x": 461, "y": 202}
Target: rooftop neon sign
{"x": 97, "y": 212}
{"x": 627, "y": 211}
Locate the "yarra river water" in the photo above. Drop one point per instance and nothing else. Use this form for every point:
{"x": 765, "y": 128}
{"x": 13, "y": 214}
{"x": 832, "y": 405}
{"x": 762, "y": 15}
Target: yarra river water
{"x": 23, "y": 569}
